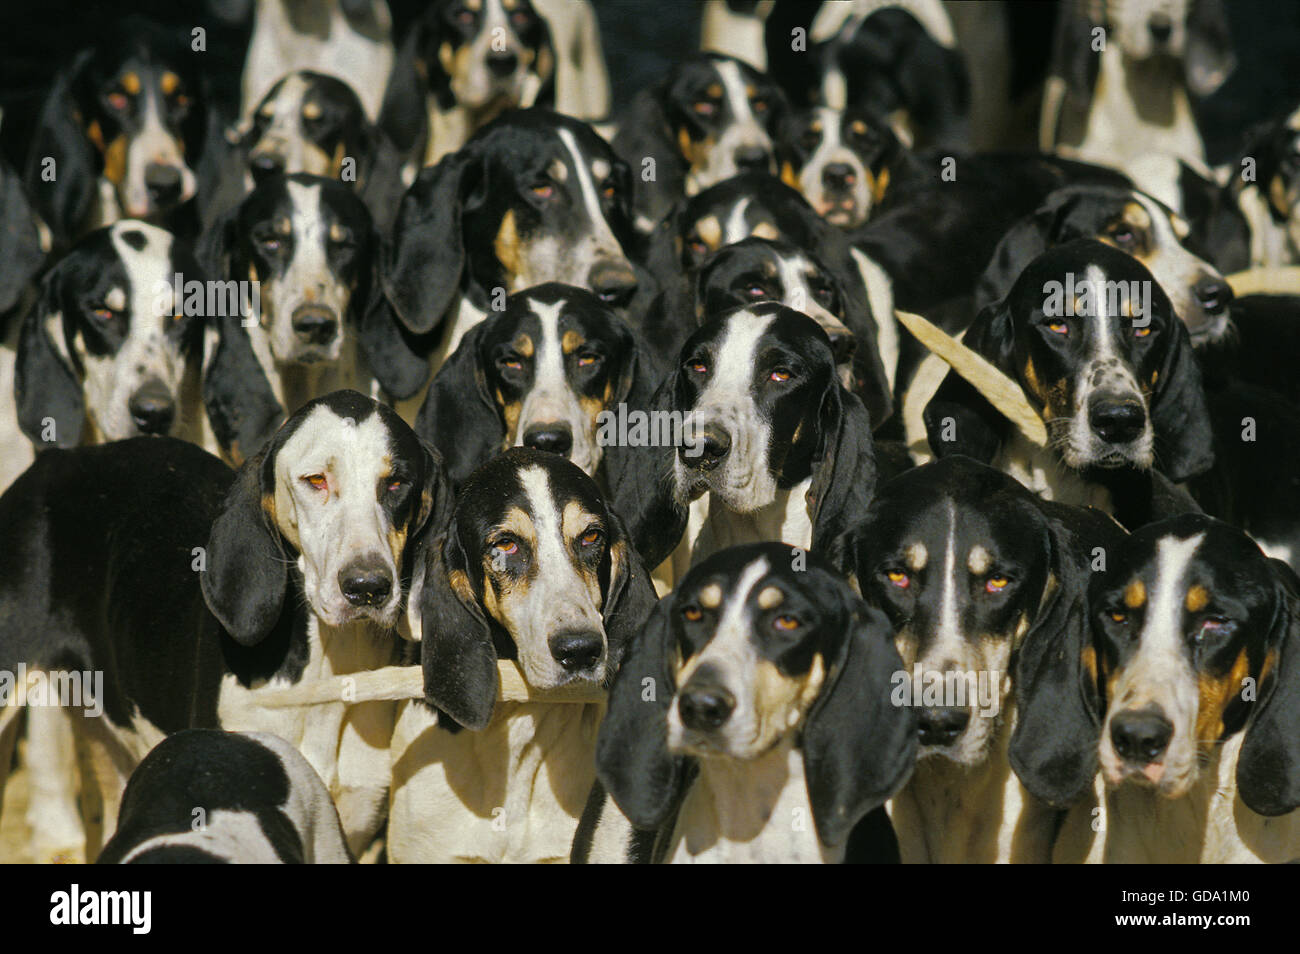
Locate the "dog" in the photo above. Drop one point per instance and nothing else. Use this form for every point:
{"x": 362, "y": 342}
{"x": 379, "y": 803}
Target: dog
{"x": 118, "y": 136}
{"x": 534, "y": 197}
{"x": 1270, "y": 198}
{"x": 543, "y": 374}
{"x": 1123, "y": 75}
{"x": 297, "y": 568}
{"x": 463, "y": 63}
{"x": 979, "y": 579}
{"x": 256, "y": 799}
{"x": 1184, "y": 694}
{"x": 113, "y": 348}
{"x": 767, "y": 431}
{"x": 321, "y": 324}
{"x": 1115, "y": 381}
{"x": 840, "y": 160}
{"x": 768, "y": 732}
{"x": 533, "y": 566}
{"x": 709, "y": 119}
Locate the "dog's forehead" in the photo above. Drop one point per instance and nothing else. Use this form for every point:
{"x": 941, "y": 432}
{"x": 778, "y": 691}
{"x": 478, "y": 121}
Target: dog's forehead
{"x": 145, "y": 254}
{"x": 338, "y": 436}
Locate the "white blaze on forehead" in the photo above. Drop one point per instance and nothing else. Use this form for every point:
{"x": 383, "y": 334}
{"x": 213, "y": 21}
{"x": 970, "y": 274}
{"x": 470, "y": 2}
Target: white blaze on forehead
{"x": 734, "y": 84}
{"x": 552, "y": 553}
{"x": 146, "y": 268}
{"x": 736, "y": 228}
{"x": 949, "y": 634}
{"x": 734, "y": 360}
{"x": 548, "y": 378}
{"x": 308, "y": 224}
{"x": 589, "y": 198}
{"x": 1162, "y": 632}
{"x": 1103, "y": 347}
{"x": 731, "y": 639}
{"x": 285, "y": 107}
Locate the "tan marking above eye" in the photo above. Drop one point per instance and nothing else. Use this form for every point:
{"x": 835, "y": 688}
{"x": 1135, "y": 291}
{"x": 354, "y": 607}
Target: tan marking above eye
{"x": 1135, "y": 594}
{"x": 571, "y": 341}
{"x": 710, "y": 230}
{"x": 711, "y": 596}
{"x": 311, "y": 109}
{"x": 770, "y": 597}
{"x": 130, "y": 82}
{"x": 557, "y": 170}
{"x": 714, "y": 90}
{"x": 979, "y": 560}
{"x": 337, "y": 233}
{"x": 1198, "y": 597}
{"x": 916, "y": 556}
{"x": 858, "y": 126}
{"x": 600, "y": 169}
{"x": 169, "y": 83}
{"x": 284, "y": 227}
{"x": 523, "y": 343}
{"x": 766, "y": 230}
{"x": 1136, "y": 216}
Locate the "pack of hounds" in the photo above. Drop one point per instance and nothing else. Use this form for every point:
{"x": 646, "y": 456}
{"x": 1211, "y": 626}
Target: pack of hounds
{"x": 428, "y": 455}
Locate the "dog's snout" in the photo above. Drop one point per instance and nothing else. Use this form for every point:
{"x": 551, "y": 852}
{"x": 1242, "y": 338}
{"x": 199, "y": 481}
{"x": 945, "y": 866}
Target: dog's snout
{"x": 613, "y": 282}
{"x": 838, "y": 176}
{"x": 1213, "y": 294}
{"x": 940, "y": 725}
{"x": 152, "y": 408}
{"x": 365, "y": 583}
{"x": 315, "y": 324}
{"x": 1117, "y": 421}
{"x": 554, "y": 438}
{"x": 1141, "y": 736}
{"x": 502, "y": 64}
{"x": 576, "y": 652}
{"x": 705, "y": 707}
{"x": 711, "y": 447}
{"x": 752, "y": 159}
{"x": 163, "y": 182}
{"x": 843, "y": 344}
{"x": 265, "y": 165}
{"x": 1161, "y": 28}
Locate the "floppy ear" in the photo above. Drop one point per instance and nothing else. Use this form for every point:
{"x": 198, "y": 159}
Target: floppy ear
{"x": 1021, "y": 244}
{"x": 45, "y": 386}
{"x": 424, "y": 261}
{"x": 632, "y": 757}
{"x": 1073, "y": 58}
{"x": 1179, "y": 414}
{"x": 858, "y": 747}
{"x": 456, "y": 651}
{"x": 403, "y": 116}
{"x": 844, "y": 474}
{"x": 240, "y": 403}
{"x": 395, "y": 358}
{"x": 871, "y": 382}
{"x": 63, "y": 192}
{"x": 1209, "y": 59}
{"x": 215, "y": 246}
{"x": 1054, "y": 746}
{"x": 960, "y": 420}
{"x": 247, "y": 570}
{"x": 1268, "y": 766}
{"x": 458, "y": 416}
{"x": 629, "y": 594}
{"x": 20, "y": 242}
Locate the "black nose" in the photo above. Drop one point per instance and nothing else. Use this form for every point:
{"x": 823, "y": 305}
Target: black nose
{"x": 314, "y": 324}
{"x": 576, "y": 651}
{"x": 613, "y": 282}
{"x": 554, "y": 438}
{"x": 711, "y": 446}
{"x": 838, "y": 176}
{"x": 752, "y": 159}
{"x": 1141, "y": 736}
{"x": 502, "y": 64}
{"x": 705, "y": 708}
{"x": 266, "y": 165}
{"x": 1117, "y": 422}
{"x": 941, "y": 726}
{"x": 1213, "y": 294}
{"x": 365, "y": 583}
{"x": 1161, "y": 27}
{"x": 152, "y": 408}
{"x": 842, "y": 344}
{"x": 163, "y": 183}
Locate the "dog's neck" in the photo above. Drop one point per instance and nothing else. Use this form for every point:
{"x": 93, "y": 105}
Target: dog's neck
{"x": 786, "y": 519}
{"x": 1139, "y": 107}
{"x": 755, "y": 811}
{"x": 295, "y": 384}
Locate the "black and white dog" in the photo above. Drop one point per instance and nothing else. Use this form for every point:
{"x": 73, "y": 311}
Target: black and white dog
{"x": 203, "y": 796}
{"x": 1270, "y": 199}
{"x": 195, "y": 589}
{"x": 769, "y": 732}
{"x": 533, "y": 567}
{"x": 840, "y": 160}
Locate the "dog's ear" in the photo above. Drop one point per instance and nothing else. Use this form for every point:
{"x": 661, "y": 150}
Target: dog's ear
{"x": 844, "y": 473}
{"x": 858, "y": 747}
{"x": 46, "y": 389}
{"x": 63, "y": 168}
{"x": 240, "y": 403}
{"x": 960, "y": 420}
{"x": 632, "y": 757}
{"x": 424, "y": 261}
{"x": 1268, "y": 767}
{"x": 1054, "y": 746}
{"x": 644, "y": 134}
{"x": 403, "y": 116}
{"x": 1074, "y": 58}
{"x": 870, "y": 380}
{"x": 459, "y": 416}
{"x": 456, "y": 649}
{"x": 629, "y": 594}
{"x": 1021, "y": 244}
{"x": 216, "y": 245}
{"x": 20, "y": 243}
{"x": 1180, "y": 417}
{"x": 1209, "y": 59}
{"x": 643, "y": 487}
{"x": 395, "y": 358}
{"x": 247, "y": 570}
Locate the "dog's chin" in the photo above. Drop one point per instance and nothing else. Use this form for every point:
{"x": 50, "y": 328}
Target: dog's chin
{"x": 342, "y": 613}
{"x": 1101, "y": 456}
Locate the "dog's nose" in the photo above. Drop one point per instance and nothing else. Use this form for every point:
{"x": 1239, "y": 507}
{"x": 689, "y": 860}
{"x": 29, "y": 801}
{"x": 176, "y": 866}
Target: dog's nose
{"x": 1141, "y": 736}
{"x": 553, "y": 438}
{"x": 502, "y": 64}
{"x": 843, "y": 344}
{"x": 838, "y": 175}
{"x": 942, "y": 725}
{"x": 1117, "y": 422}
{"x": 365, "y": 583}
{"x": 152, "y": 408}
{"x": 1213, "y": 294}
{"x": 752, "y": 159}
{"x": 265, "y": 165}
{"x": 163, "y": 182}
{"x": 705, "y": 708}
{"x": 576, "y": 652}
{"x": 613, "y": 282}
{"x": 711, "y": 446}
{"x": 1161, "y": 28}
{"x": 314, "y": 324}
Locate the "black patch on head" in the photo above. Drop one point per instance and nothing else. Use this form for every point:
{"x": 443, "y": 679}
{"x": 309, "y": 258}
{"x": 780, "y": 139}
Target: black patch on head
{"x": 135, "y": 239}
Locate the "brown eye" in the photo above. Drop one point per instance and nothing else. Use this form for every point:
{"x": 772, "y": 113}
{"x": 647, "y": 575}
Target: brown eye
{"x": 996, "y": 584}
{"x": 591, "y": 537}
{"x": 699, "y": 367}
{"x": 118, "y": 101}
{"x": 1058, "y": 327}
{"x": 586, "y": 360}
{"x": 506, "y": 546}
{"x": 1141, "y": 332}
{"x": 760, "y": 106}
{"x": 543, "y": 190}
{"x": 693, "y": 614}
{"x": 394, "y": 485}
{"x": 703, "y": 108}
{"x": 780, "y": 375}
{"x": 317, "y": 481}
{"x": 607, "y": 192}
{"x": 786, "y": 623}
{"x": 512, "y": 364}
{"x": 1119, "y": 617}
{"x": 104, "y": 314}
{"x": 898, "y": 578}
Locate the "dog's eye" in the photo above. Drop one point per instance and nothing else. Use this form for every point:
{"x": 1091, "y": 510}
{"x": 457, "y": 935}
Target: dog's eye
{"x": 1123, "y": 235}
{"x": 703, "y": 107}
{"x": 587, "y": 360}
{"x": 699, "y": 367}
{"x": 898, "y": 578}
{"x": 1213, "y": 624}
{"x": 996, "y": 584}
{"x": 756, "y": 291}
{"x": 591, "y": 537}
{"x": 506, "y": 545}
{"x": 271, "y": 244}
{"x": 103, "y": 313}
{"x": 543, "y": 190}
{"x": 760, "y": 106}
{"x": 520, "y": 18}
{"x": 1118, "y": 617}
{"x": 316, "y": 481}
{"x": 395, "y": 484}
{"x": 692, "y": 614}
{"x": 118, "y": 101}
{"x": 780, "y": 375}
{"x": 697, "y": 246}
{"x": 607, "y": 190}
{"x": 1141, "y": 332}
{"x": 510, "y": 364}
{"x": 786, "y": 623}
{"x": 823, "y": 295}
{"x": 1058, "y": 327}
{"x": 465, "y": 17}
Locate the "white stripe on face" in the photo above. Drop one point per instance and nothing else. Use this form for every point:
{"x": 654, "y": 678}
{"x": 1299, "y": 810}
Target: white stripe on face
{"x": 307, "y": 279}
{"x": 830, "y": 150}
{"x": 948, "y": 645}
{"x": 152, "y": 144}
{"x": 737, "y": 101}
{"x": 798, "y": 293}
{"x": 599, "y": 242}
{"x": 551, "y": 399}
{"x": 736, "y": 229}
